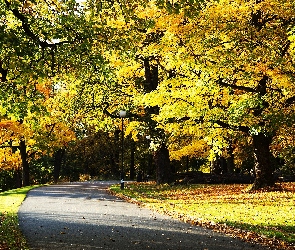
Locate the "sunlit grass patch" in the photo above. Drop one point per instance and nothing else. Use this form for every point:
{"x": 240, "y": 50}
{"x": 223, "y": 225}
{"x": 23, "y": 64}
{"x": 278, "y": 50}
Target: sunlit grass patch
{"x": 10, "y": 234}
{"x": 269, "y": 214}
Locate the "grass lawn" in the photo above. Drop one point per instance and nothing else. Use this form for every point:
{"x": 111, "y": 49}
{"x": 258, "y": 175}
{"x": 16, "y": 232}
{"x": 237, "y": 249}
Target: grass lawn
{"x": 10, "y": 234}
{"x": 265, "y": 216}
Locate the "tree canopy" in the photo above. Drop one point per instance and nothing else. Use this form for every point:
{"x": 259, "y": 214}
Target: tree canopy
{"x": 203, "y": 79}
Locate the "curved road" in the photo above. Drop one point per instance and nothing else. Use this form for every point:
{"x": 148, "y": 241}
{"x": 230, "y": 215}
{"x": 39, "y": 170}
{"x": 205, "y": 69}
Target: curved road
{"x": 84, "y": 216}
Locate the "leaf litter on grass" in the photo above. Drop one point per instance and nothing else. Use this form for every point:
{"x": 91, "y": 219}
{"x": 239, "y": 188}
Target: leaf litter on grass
{"x": 10, "y": 235}
{"x": 264, "y": 216}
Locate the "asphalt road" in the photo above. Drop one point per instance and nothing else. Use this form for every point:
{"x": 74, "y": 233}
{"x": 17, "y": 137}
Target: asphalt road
{"x": 85, "y": 216}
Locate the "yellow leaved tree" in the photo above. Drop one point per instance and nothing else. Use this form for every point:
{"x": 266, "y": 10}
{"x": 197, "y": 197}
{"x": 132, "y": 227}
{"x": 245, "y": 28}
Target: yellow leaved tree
{"x": 231, "y": 70}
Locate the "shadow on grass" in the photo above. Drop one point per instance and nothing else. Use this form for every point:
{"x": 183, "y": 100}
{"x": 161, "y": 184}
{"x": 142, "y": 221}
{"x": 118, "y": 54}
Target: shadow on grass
{"x": 17, "y": 191}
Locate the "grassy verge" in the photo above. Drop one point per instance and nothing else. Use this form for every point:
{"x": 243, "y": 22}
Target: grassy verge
{"x": 10, "y": 234}
{"x": 265, "y": 216}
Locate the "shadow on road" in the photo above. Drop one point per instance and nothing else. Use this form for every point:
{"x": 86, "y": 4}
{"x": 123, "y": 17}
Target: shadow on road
{"x": 84, "y": 216}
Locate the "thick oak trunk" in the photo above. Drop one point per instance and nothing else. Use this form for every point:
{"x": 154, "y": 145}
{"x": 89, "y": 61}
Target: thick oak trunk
{"x": 264, "y": 176}
{"x": 162, "y": 161}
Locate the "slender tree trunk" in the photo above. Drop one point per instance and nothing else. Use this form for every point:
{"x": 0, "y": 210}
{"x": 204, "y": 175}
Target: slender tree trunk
{"x": 263, "y": 170}
{"x": 18, "y": 178}
{"x": 151, "y": 170}
{"x": 132, "y": 161}
{"x": 58, "y": 157}
{"x": 115, "y": 156}
{"x": 25, "y": 164}
{"x": 162, "y": 162}
{"x": 187, "y": 164}
{"x": 216, "y": 166}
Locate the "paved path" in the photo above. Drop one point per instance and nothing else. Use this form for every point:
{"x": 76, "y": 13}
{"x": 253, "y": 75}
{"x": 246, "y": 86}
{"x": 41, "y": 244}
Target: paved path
{"x": 84, "y": 216}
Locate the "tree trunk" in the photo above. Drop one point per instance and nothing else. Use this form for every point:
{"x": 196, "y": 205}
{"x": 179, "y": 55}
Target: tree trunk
{"x": 187, "y": 164}
{"x": 162, "y": 161}
{"x": 230, "y": 160}
{"x": 132, "y": 161}
{"x": 18, "y": 178}
{"x": 151, "y": 169}
{"x": 25, "y": 164}
{"x": 263, "y": 170}
{"x": 58, "y": 156}
{"x": 115, "y": 155}
{"x": 216, "y": 165}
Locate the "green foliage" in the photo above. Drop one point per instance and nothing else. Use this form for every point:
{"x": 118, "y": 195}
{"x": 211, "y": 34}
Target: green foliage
{"x": 96, "y": 154}
{"x": 7, "y": 180}
{"x": 41, "y": 170}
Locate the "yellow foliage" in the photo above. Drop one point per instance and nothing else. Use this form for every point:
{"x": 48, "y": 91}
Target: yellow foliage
{"x": 9, "y": 160}
{"x": 221, "y": 43}
{"x": 10, "y": 130}
{"x": 134, "y": 128}
{"x": 198, "y": 149}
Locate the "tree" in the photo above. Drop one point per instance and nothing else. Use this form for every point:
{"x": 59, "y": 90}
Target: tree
{"x": 37, "y": 44}
{"x": 96, "y": 155}
{"x": 193, "y": 76}
{"x": 122, "y": 72}
{"x": 234, "y": 72}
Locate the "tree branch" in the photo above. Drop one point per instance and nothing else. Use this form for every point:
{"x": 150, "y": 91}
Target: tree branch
{"x": 226, "y": 125}
{"x": 183, "y": 100}
{"x": 27, "y": 29}
{"x": 105, "y": 111}
{"x": 51, "y": 130}
{"x": 289, "y": 102}
{"x": 224, "y": 84}
{"x": 26, "y": 26}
